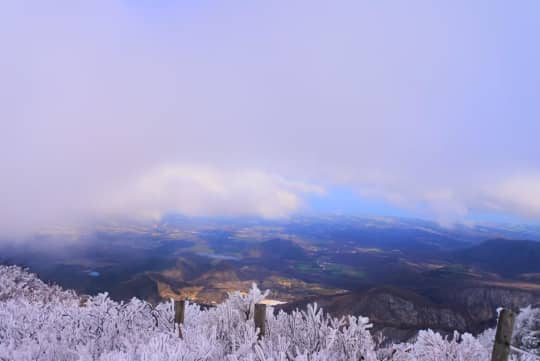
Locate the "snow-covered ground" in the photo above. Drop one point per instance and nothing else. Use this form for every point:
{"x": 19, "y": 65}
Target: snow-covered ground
{"x": 42, "y": 322}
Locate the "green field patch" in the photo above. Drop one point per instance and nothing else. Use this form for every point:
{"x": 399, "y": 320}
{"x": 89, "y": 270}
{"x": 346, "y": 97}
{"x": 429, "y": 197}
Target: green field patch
{"x": 342, "y": 270}
{"x": 306, "y": 267}
{"x": 331, "y": 269}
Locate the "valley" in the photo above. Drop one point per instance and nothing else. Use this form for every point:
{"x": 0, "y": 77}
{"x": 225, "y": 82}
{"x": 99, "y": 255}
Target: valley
{"x": 403, "y": 274}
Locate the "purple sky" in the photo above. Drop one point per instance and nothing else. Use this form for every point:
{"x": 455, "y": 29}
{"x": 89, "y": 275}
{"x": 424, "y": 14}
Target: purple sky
{"x": 137, "y": 108}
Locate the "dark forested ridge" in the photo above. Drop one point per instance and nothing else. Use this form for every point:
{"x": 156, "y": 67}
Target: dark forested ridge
{"x": 504, "y": 256}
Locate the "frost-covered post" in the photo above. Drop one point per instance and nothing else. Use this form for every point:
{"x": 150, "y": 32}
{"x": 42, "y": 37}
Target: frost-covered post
{"x": 503, "y": 337}
{"x": 179, "y": 309}
{"x": 260, "y": 318}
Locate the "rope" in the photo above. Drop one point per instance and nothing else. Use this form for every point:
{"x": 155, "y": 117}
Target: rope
{"x": 523, "y": 352}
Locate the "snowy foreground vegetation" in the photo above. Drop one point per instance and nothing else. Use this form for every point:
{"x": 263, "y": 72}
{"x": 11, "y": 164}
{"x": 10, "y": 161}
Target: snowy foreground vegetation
{"x": 42, "y": 322}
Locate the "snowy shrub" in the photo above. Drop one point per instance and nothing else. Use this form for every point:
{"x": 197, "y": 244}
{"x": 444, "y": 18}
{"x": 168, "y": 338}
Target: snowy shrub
{"x": 15, "y": 282}
{"x": 527, "y": 330}
{"x": 46, "y": 323}
{"x": 431, "y": 346}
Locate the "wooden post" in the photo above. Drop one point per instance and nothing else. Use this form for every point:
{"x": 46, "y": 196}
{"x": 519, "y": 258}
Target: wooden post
{"x": 179, "y": 309}
{"x": 260, "y": 319}
{"x": 503, "y": 337}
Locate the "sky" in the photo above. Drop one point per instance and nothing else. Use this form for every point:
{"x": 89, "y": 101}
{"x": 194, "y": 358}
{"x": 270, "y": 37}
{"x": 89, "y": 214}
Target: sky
{"x": 136, "y": 108}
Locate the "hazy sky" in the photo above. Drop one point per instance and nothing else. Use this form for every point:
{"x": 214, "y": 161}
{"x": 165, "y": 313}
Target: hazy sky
{"x": 137, "y": 108}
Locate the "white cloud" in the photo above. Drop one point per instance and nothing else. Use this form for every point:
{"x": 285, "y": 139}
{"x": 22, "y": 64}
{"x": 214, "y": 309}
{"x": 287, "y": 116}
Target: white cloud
{"x": 519, "y": 194}
{"x": 202, "y": 190}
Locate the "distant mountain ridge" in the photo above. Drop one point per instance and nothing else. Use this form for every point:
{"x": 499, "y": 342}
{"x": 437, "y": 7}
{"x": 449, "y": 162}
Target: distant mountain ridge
{"x": 503, "y": 256}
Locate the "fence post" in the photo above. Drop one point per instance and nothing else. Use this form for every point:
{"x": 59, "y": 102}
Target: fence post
{"x": 503, "y": 337}
{"x": 179, "y": 309}
{"x": 260, "y": 319}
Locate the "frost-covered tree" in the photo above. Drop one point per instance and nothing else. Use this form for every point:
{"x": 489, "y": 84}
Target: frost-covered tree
{"x": 527, "y": 330}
